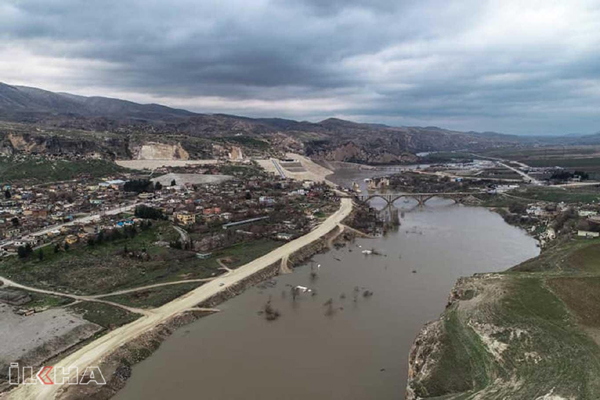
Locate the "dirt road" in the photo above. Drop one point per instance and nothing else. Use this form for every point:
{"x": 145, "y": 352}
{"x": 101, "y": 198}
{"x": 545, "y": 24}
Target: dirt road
{"x": 91, "y": 354}
{"x": 8, "y": 283}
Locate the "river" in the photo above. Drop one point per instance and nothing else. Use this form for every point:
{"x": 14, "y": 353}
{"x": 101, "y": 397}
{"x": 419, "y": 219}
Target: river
{"x": 358, "y": 347}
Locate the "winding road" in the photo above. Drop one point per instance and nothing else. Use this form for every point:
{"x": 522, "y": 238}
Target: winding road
{"x": 92, "y": 353}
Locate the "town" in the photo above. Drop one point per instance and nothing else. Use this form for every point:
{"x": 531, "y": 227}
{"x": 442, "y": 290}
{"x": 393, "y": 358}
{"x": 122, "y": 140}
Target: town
{"x": 206, "y": 202}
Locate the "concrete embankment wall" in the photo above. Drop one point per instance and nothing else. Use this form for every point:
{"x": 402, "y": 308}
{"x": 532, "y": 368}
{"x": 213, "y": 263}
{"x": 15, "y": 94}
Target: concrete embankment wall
{"x": 318, "y": 246}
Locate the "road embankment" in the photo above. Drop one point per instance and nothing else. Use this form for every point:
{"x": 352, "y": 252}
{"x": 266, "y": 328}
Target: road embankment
{"x": 103, "y": 347}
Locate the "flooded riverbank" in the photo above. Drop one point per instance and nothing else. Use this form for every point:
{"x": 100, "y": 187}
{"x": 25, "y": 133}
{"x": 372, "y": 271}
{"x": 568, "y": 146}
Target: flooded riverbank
{"x": 357, "y": 348}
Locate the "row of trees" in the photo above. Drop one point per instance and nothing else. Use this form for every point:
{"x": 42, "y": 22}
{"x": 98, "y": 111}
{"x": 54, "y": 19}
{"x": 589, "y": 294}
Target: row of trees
{"x": 138, "y": 186}
{"x": 147, "y": 212}
{"x": 564, "y": 175}
{"x": 143, "y": 185}
{"x": 129, "y": 231}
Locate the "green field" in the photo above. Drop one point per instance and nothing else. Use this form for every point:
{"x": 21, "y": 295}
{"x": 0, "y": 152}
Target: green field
{"x": 155, "y": 297}
{"x": 104, "y": 268}
{"x": 243, "y": 253}
{"x": 555, "y": 194}
{"x": 582, "y": 158}
{"x": 105, "y": 315}
{"x": 37, "y": 170}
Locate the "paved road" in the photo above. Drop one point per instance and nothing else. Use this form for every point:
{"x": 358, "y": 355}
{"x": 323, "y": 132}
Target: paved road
{"x": 528, "y": 178}
{"x": 92, "y": 353}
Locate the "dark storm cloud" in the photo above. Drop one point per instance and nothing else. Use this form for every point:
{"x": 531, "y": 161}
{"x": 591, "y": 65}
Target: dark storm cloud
{"x": 501, "y": 65}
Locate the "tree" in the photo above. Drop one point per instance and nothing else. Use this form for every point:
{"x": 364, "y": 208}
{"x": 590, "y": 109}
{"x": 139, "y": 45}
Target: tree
{"x": 582, "y": 174}
{"x": 517, "y": 208}
{"x": 56, "y": 248}
{"x": 130, "y": 231}
{"x": 40, "y": 254}
{"x": 146, "y": 212}
{"x": 157, "y": 186}
{"x": 22, "y": 252}
{"x": 138, "y": 186}
{"x": 173, "y": 183}
{"x": 7, "y": 194}
{"x": 295, "y": 293}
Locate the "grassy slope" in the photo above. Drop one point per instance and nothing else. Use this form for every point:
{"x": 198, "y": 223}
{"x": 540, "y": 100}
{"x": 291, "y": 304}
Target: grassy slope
{"x": 154, "y": 297}
{"x": 526, "y": 333}
{"x": 41, "y": 170}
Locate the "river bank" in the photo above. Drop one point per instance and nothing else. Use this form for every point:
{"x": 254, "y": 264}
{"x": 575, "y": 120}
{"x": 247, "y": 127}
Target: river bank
{"x": 114, "y": 339}
{"x": 356, "y": 349}
{"x": 118, "y": 365}
{"x": 529, "y": 332}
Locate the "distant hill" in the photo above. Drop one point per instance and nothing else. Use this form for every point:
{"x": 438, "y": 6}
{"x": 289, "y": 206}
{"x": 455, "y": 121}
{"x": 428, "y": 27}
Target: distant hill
{"x": 29, "y": 102}
{"x": 330, "y": 139}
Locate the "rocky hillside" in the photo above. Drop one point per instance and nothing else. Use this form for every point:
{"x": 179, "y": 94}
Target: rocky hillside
{"x": 529, "y": 333}
{"x": 331, "y": 139}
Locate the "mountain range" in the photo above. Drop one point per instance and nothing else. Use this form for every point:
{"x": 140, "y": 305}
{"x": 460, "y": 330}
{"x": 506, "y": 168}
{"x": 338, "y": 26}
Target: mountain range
{"x": 330, "y": 139}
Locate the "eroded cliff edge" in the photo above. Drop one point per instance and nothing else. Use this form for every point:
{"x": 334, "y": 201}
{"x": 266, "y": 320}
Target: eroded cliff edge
{"x": 529, "y": 333}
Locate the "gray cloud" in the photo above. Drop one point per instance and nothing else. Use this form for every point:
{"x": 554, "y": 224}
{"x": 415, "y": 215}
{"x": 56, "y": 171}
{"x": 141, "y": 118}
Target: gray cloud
{"x": 506, "y": 66}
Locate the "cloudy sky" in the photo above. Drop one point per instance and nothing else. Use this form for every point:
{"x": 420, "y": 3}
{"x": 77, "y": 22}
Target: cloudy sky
{"x": 514, "y": 66}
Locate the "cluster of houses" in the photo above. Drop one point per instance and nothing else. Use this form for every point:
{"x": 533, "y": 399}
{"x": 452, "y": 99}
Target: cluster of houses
{"x": 28, "y": 209}
{"x": 38, "y": 215}
{"x": 545, "y": 213}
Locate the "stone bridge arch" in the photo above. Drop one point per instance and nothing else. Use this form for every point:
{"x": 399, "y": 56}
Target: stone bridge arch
{"x": 421, "y": 198}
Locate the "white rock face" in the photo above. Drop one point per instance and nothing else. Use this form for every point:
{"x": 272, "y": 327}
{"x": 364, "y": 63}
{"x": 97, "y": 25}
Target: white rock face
{"x": 162, "y": 151}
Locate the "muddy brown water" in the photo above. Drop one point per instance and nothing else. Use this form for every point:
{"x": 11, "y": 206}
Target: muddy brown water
{"x": 358, "y": 347}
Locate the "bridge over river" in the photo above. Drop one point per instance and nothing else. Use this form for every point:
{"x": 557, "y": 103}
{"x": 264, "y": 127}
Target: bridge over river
{"x": 421, "y": 198}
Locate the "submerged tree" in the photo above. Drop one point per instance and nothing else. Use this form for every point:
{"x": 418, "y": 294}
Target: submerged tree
{"x": 295, "y": 293}
{"x": 330, "y": 310}
{"x": 271, "y": 314}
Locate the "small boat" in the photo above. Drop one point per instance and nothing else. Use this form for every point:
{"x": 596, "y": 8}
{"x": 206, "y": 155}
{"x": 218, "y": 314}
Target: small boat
{"x": 303, "y": 289}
